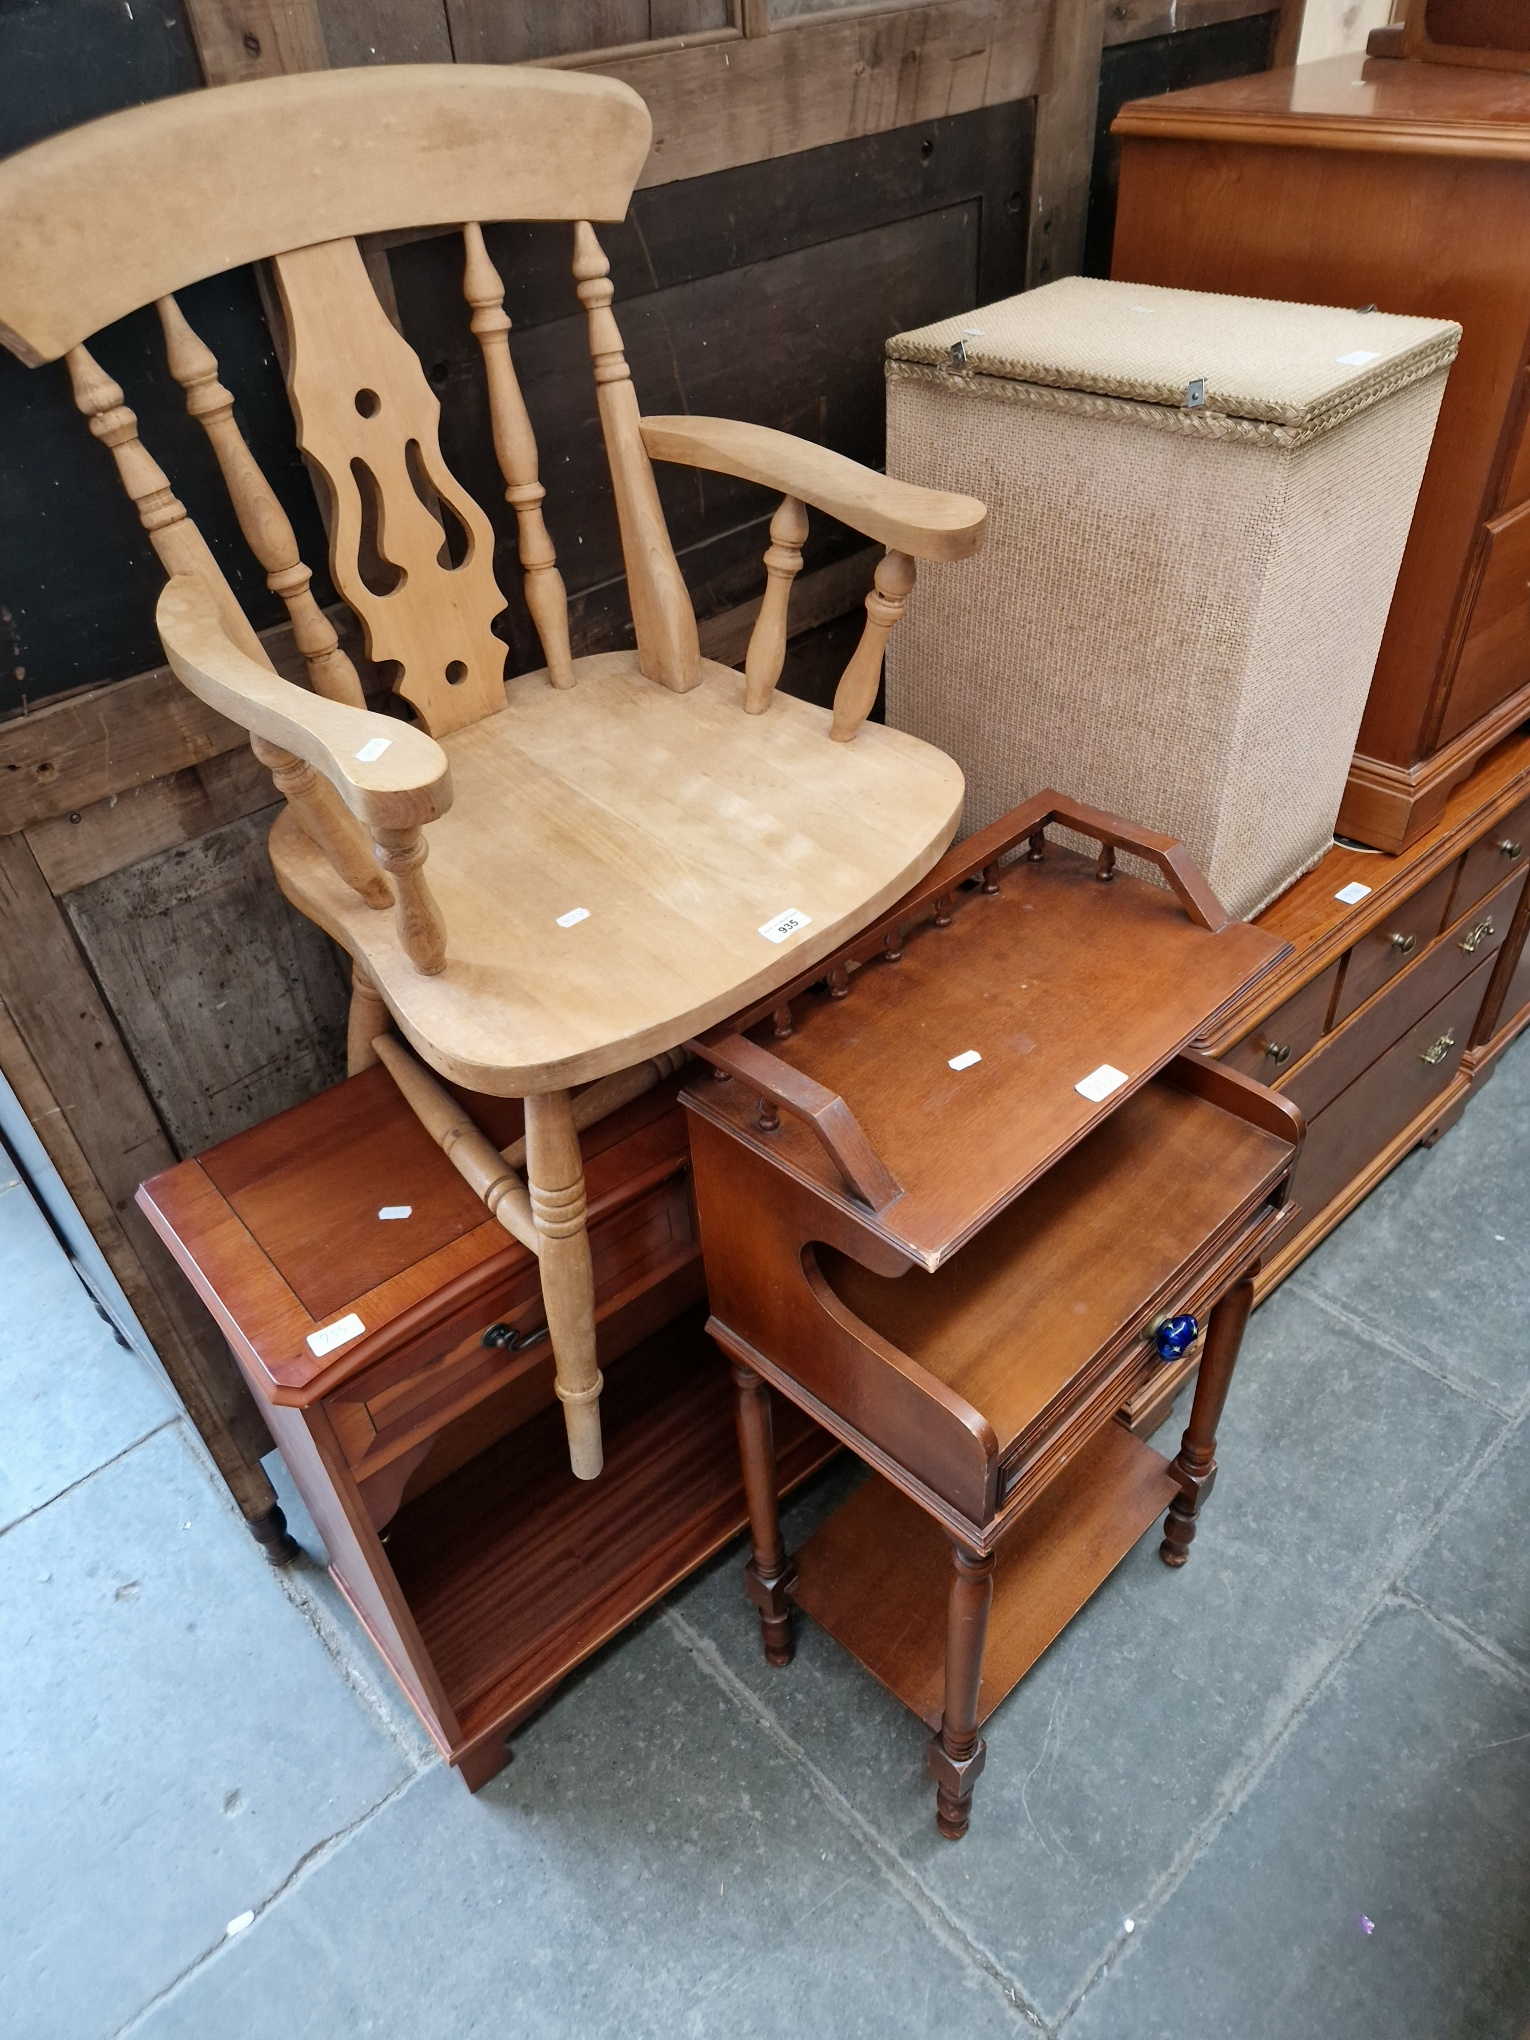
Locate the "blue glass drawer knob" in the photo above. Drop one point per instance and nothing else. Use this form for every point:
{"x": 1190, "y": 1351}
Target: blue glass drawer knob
{"x": 1174, "y": 1336}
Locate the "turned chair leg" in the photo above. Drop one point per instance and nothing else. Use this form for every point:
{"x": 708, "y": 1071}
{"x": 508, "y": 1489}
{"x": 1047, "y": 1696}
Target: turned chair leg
{"x": 369, "y": 1017}
{"x": 770, "y": 1574}
{"x": 957, "y": 1754}
{"x": 1196, "y": 1467}
{"x": 555, "y": 1180}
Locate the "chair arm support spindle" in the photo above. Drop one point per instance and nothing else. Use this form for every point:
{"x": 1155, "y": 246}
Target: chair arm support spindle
{"x": 767, "y": 641}
{"x": 327, "y": 821}
{"x": 421, "y": 930}
{"x": 856, "y": 694}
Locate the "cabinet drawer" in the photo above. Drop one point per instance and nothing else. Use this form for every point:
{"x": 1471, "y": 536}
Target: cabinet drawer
{"x": 1495, "y": 660}
{"x": 1285, "y": 1037}
{"x": 1504, "y": 849}
{"x": 1352, "y": 1131}
{"x": 410, "y": 1395}
{"x": 1352, "y": 1047}
{"x": 1389, "y": 948}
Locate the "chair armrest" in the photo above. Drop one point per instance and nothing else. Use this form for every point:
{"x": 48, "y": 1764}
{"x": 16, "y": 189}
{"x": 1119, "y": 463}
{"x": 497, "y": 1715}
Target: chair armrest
{"x": 405, "y": 783}
{"x": 927, "y": 524}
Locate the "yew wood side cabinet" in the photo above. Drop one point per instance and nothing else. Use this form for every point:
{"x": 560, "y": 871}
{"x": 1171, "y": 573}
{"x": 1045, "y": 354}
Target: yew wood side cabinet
{"x": 395, "y": 1336}
{"x": 959, "y": 1204}
{"x": 1370, "y": 181}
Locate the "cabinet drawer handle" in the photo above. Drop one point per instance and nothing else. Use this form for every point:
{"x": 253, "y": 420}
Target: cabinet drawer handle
{"x": 1437, "y": 1053}
{"x": 1472, "y": 942}
{"x": 1278, "y": 1052}
{"x": 1511, "y": 850}
{"x": 1405, "y": 944}
{"x": 506, "y": 1339}
{"x": 1174, "y": 1336}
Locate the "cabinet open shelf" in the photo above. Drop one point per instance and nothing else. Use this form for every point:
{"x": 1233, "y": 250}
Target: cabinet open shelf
{"x": 515, "y": 1571}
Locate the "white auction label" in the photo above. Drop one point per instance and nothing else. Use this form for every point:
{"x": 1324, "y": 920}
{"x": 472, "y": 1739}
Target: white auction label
{"x": 328, "y": 1337}
{"x": 1356, "y": 360}
{"x": 573, "y": 917}
{"x": 1352, "y": 894}
{"x": 396, "y": 1211}
{"x": 1100, "y": 1083}
{"x": 784, "y": 925}
{"x": 372, "y": 750}
{"x": 965, "y": 1060}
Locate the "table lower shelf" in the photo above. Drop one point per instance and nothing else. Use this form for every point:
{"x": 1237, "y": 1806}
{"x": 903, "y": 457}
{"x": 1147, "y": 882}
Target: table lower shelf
{"x": 876, "y": 1575}
{"x": 516, "y": 1572}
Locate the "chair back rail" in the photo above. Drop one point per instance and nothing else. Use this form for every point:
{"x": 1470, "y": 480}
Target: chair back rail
{"x": 118, "y": 213}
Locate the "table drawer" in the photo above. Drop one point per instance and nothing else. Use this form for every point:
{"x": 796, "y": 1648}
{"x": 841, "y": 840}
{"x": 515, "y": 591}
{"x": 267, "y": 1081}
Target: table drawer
{"x": 1358, "y": 1124}
{"x": 1495, "y": 660}
{"x": 1355, "y": 1045}
{"x": 1503, "y": 850}
{"x": 410, "y": 1395}
{"x": 1281, "y": 1040}
{"x": 1387, "y": 950}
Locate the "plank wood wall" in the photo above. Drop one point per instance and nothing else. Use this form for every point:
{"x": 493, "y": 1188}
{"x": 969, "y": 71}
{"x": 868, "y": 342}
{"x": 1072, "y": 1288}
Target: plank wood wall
{"x": 820, "y": 177}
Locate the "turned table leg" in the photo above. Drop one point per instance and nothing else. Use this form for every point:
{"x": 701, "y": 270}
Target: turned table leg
{"x": 957, "y": 1754}
{"x": 1196, "y": 1467}
{"x": 770, "y": 1574}
{"x": 555, "y": 1179}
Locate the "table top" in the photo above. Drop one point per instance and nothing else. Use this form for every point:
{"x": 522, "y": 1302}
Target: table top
{"x": 282, "y": 1230}
{"x": 991, "y": 1046}
{"x": 1351, "y": 102}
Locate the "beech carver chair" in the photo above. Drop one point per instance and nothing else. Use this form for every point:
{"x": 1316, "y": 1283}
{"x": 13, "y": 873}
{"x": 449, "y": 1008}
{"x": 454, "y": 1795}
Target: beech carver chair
{"x": 623, "y": 848}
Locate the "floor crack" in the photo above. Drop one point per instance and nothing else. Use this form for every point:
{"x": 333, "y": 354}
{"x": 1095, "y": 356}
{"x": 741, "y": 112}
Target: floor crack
{"x": 886, "y": 1860}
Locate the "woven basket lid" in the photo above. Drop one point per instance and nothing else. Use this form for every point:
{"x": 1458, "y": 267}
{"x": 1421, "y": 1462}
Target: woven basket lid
{"x": 1306, "y": 366}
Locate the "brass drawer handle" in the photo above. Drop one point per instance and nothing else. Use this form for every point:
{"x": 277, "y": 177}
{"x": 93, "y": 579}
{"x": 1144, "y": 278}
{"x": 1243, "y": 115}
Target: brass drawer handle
{"x": 1472, "y": 942}
{"x": 1405, "y": 944}
{"x": 1511, "y": 850}
{"x": 1278, "y": 1052}
{"x": 1438, "y": 1052}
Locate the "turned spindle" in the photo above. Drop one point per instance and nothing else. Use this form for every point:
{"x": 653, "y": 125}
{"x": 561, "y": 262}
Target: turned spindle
{"x": 368, "y": 1018}
{"x": 515, "y": 447}
{"x": 421, "y": 931}
{"x": 471, "y": 1153}
{"x": 326, "y": 821}
{"x": 856, "y": 694}
{"x": 264, "y": 522}
{"x": 662, "y": 617}
{"x": 767, "y": 641}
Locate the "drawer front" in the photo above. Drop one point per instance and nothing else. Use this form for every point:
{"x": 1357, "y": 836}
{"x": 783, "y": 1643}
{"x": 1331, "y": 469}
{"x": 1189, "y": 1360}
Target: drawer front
{"x": 1290, "y": 1031}
{"x": 409, "y": 1395}
{"x": 1495, "y": 660}
{"x": 1360, "y": 1122}
{"x": 1503, "y": 850}
{"x": 1353, "y": 1047}
{"x": 1391, "y": 948}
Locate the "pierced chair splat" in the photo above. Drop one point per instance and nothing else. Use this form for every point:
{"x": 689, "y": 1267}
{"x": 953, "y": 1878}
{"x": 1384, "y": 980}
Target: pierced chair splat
{"x": 622, "y": 849}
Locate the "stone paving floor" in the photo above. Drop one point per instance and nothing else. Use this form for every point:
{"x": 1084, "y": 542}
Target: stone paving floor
{"x": 1283, "y": 1793}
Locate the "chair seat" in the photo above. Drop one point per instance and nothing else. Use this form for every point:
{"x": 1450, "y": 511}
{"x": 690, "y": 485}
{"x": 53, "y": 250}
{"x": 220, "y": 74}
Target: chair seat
{"x": 611, "y": 856}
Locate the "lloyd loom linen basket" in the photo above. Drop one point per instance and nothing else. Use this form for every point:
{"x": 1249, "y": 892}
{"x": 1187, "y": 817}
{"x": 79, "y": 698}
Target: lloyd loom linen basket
{"x": 1197, "y": 510}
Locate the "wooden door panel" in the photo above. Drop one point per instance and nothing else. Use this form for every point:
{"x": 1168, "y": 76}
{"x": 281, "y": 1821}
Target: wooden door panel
{"x": 1495, "y": 659}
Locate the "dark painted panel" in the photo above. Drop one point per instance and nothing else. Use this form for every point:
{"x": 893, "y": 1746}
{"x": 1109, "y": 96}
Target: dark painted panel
{"x": 1143, "y": 70}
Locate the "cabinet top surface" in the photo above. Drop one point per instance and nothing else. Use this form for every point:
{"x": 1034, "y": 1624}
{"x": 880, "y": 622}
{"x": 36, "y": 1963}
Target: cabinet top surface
{"x": 962, "y": 1062}
{"x": 1355, "y": 102}
{"x": 344, "y": 1209}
